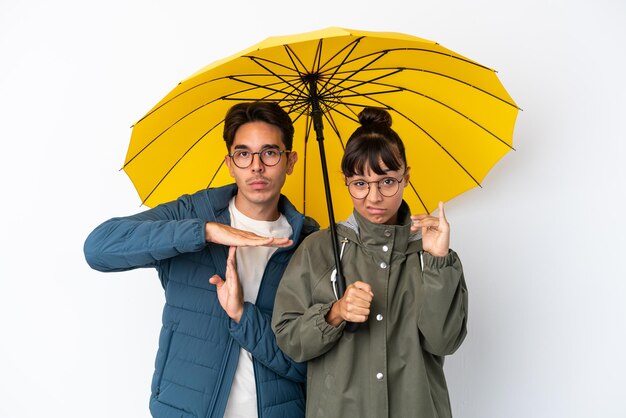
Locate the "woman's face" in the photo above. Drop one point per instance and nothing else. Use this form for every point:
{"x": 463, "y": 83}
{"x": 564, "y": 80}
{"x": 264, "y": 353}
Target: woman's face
{"x": 375, "y": 207}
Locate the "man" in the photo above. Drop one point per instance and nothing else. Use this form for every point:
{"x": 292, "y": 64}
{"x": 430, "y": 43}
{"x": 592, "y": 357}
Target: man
{"x": 217, "y": 354}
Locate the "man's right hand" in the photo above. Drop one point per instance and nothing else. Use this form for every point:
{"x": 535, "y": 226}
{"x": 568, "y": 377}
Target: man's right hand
{"x": 227, "y": 235}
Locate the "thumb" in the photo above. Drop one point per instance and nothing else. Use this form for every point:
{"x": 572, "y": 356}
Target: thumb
{"x": 216, "y": 280}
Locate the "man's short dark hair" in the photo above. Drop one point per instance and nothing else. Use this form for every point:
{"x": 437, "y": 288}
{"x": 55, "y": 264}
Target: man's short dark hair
{"x": 268, "y": 112}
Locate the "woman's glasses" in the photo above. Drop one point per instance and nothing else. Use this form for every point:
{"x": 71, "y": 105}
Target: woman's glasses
{"x": 388, "y": 187}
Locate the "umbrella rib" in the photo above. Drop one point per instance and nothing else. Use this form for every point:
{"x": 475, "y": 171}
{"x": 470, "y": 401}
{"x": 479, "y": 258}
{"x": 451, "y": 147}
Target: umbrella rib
{"x": 156, "y": 108}
{"x": 458, "y": 80}
{"x": 167, "y": 129}
{"x": 215, "y": 174}
{"x": 352, "y": 45}
{"x": 254, "y": 86}
{"x": 270, "y": 72}
{"x": 331, "y": 121}
{"x": 355, "y": 72}
{"x": 193, "y": 111}
{"x": 318, "y": 57}
{"x": 178, "y": 161}
{"x": 391, "y": 50}
{"x": 399, "y": 89}
{"x": 308, "y": 124}
{"x": 270, "y": 89}
{"x": 292, "y": 55}
{"x": 455, "y": 111}
{"x": 380, "y": 54}
{"x": 418, "y": 196}
{"x": 255, "y": 59}
{"x": 435, "y": 141}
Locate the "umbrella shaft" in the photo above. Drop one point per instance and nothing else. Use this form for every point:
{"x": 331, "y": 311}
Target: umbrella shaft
{"x": 318, "y": 125}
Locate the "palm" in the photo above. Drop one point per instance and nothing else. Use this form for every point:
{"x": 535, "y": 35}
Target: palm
{"x": 229, "y": 291}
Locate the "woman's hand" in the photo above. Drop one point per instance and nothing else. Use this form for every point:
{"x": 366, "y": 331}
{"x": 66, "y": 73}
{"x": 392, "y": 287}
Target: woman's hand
{"x": 435, "y": 232}
{"x": 354, "y": 305}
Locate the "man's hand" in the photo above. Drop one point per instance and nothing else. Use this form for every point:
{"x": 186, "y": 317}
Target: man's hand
{"x": 435, "y": 232}
{"x": 354, "y": 305}
{"x": 229, "y": 292}
{"x": 227, "y": 235}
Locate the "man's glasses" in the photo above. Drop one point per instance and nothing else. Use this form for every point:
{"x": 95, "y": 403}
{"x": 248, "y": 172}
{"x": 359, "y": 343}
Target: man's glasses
{"x": 269, "y": 157}
{"x": 388, "y": 187}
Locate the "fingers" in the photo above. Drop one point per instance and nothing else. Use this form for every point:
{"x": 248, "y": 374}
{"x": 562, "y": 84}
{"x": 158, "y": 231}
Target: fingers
{"x": 279, "y": 242}
{"x": 356, "y": 302}
{"x": 232, "y": 277}
{"x": 426, "y": 222}
{"x": 362, "y": 289}
{"x": 227, "y": 235}
{"x": 231, "y": 262}
{"x": 429, "y": 222}
{"x": 232, "y": 256}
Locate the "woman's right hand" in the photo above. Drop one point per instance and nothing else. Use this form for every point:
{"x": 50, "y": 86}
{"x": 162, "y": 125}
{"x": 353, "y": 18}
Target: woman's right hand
{"x": 354, "y": 305}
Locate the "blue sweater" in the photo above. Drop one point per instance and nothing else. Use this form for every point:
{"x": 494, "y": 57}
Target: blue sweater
{"x": 199, "y": 344}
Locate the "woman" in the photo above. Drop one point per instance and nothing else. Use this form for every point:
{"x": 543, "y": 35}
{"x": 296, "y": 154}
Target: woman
{"x": 407, "y": 293}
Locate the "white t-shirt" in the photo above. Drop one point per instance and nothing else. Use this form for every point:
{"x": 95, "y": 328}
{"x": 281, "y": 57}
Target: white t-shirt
{"x": 251, "y": 263}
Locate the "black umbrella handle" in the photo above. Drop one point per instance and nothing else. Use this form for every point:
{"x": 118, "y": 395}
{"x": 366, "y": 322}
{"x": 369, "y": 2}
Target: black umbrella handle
{"x": 318, "y": 125}
{"x": 340, "y": 279}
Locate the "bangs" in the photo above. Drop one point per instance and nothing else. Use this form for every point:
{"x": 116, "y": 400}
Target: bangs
{"x": 374, "y": 152}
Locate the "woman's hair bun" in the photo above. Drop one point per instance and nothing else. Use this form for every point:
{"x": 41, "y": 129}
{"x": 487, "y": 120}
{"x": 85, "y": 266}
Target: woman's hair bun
{"x": 374, "y": 117}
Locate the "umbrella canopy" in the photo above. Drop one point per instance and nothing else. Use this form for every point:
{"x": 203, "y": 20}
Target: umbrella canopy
{"x": 454, "y": 115}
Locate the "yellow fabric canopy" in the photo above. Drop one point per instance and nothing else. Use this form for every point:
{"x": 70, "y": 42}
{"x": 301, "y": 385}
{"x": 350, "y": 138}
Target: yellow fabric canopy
{"x": 453, "y": 114}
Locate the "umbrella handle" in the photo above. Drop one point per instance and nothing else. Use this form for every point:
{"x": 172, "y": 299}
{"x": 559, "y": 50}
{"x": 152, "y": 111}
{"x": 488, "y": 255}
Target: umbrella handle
{"x": 351, "y": 327}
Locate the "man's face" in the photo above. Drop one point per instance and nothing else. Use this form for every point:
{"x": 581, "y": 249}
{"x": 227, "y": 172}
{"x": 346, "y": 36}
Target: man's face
{"x": 259, "y": 185}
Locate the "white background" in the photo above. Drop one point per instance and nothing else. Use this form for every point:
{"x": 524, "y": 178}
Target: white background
{"x": 542, "y": 242}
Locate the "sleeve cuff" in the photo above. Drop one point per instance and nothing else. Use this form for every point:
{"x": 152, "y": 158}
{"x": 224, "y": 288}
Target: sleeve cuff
{"x": 438, "y": 262}
{"x": 327, "y": 330}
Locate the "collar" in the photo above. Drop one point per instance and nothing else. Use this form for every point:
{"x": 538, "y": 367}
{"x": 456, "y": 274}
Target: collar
{"x": 359, "y": 229}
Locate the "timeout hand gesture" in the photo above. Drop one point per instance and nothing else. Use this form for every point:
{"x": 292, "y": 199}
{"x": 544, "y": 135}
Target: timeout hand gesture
{"x": 435, "y": 232}
{"x": 227, "y": 235}
{"x": 229, "y": 291}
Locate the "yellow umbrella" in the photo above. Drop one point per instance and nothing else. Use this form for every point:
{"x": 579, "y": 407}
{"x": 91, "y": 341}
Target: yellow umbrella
{"x": 454, "y": 115}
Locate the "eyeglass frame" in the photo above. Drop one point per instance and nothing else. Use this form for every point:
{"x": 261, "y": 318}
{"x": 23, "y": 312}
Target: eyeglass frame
{"x": 399, "y": 180}
{"x": 259, "y": 153}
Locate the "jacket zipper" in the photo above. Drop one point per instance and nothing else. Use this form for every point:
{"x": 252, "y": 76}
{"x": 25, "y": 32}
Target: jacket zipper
{"x": 220, "y": 378}
{"x": 228, "y": 348}
{"x": 258, "y": 392}
{"x": 167, "y": 355}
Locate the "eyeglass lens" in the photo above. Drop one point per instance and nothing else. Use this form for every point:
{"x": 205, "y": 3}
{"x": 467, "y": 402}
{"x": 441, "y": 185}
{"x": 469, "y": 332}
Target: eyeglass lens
{"x": 387, "y": 187}
{"x": 269, "y": 157}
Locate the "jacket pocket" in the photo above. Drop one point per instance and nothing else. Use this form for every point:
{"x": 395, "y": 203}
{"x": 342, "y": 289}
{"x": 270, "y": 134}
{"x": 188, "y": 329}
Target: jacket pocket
{"x": 165, "y": 342}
